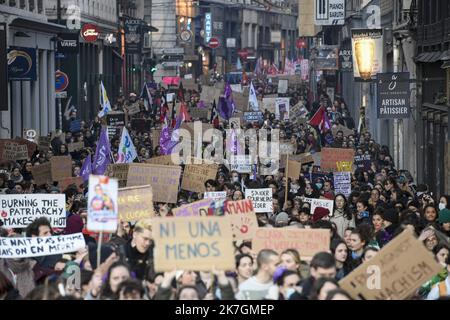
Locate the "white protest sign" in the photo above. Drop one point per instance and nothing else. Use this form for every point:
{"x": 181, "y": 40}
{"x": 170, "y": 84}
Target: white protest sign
{"x": 282, "y": 108}
{"x": 170, "y": 97}
{"x": 261, "y": 198}
{"x": 282, "y": 85}
{"x": 342, "y": 183}
{"x": 16, "y": 248}
{"x": 103, "y": 212}
{"x": 217, "y": 195}
{"x": 241, "y": 163}
{"x": 19, "y": 210}
{"x": 322, "y": 203}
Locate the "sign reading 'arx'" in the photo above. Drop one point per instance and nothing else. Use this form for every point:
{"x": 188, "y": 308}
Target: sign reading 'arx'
{"x": 18, "y": 211}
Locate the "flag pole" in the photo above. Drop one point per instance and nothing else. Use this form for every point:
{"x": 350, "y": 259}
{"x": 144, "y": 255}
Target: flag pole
{"x": 287, "y": 174}
{"x": 99, "y": 247}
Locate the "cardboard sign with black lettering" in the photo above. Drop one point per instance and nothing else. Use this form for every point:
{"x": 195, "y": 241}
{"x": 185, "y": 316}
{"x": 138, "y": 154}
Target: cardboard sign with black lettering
{"x": 42, "y": 173}
{"x": 14, "y": 151}
{"x": 193, "y": 243}
{"x": 336, "y": 159}
{"x": 61, "y": 167}
{"x": 75, "y": 146}
{"x": 136, "y": 203}
{"x": 197, "y": 208}
{"x": 118, "y": 171}
{"x": 18, "y": 211}
{"x": 163, "y": 179}
{"x": 243, "y": 219}
{"x": 133, "y": 108}
{"x": 195, "y": 176}
{"x": 18, "y": 248}
{"x": 395, "y": 273}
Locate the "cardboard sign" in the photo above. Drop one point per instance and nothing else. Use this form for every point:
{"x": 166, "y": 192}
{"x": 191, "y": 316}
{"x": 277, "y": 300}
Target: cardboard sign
{"x": 307, "y": 242}
{"x": 14, "y": 151}
{"x": 115, "y": 119}
{"x": 64, "y": 183}
{"x": 118, "y": 171}
{"x": 19, "y": 210}
{"x": 163, "y": 160}
{"x": 17, "y": 248}
{"x": 195, "y": 176}
{"x": 31, "y": 147}
{"x": 294, "y": 169}
{"x": 216, "y": 195}
{"x": 269, "y": 104}
{"x": 346, "y": 131}
{"x": 163, "y": 179}
{"x": 44, "y": 143}
{"x": 402, "y": 266}
{"x": 342, "y": 183}
{"x": 155, "y": 134}
{"x": 286, "y": 148}
{"x": 337, "y": 159}
{"x": 61, "y": 167}
{"x": 197, "y": 208}
{"x": 42, "y": 173}
{"x": 193, "y": 243}
{"x": 199, "y": 113}
{"x": 261, "y": 198}
{"x": 133, "y": 108}
{"x": 75, "y": 146}
{"x": 136, "y": 203}
{"x": 102, "y": 204}
{"x": 243, "y": 219}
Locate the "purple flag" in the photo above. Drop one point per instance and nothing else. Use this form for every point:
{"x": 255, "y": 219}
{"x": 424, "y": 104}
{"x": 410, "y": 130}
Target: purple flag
{"x": 102, "y": 154}
{"x": 201, "y": 104}
{"x": 225, "y": 108}
{"x": 167, "y": 140}
{"x": 86, "y": 169}
{"x": 228, "y": 93}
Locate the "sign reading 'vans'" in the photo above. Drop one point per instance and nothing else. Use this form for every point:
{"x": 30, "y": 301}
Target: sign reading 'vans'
{"x": 68, "y": 43}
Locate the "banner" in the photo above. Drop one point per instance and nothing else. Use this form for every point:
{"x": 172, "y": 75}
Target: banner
{"x": 61, "y": 167}
{"x": 307, "y": 242}
{"x": 393, "y": 95}
{"x": 133, "y": 35}
{"x": 197, "y": 208}
{"x": 336, "y": 159}
{"x": 102, "y": 204}
{"x": 195, "y": 176}
{"x": 395, "y": 273}
{"x": 342, "y": 183}
{"x": 118, "y": 171}
{"x": 367, "y": 49}
{"x": 136, "y": 203}
{"x": 261, "y": 198}
{"x": 243, "y": 219}
{"x": 193, "y": 243}
{"x": 163, "y": 179}
{"x": 18, "y": 211}
{"x": 18, "y": 248}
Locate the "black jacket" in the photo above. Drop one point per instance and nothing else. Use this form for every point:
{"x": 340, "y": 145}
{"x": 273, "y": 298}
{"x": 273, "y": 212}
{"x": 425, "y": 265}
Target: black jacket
{"x": 307, "y": 286}
{"x": 140, "y": 263}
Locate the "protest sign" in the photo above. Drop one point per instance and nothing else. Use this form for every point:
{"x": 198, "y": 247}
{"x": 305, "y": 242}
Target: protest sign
{"x": 253, "y": 116}
{"x": 155, "y": 134}
{"x": 61, "y": 167}
{"x": 163, "y": 179}
{"x": 307, "y": 242}
{"x": 287, "y": 148}
{"x": 44, "y": 143}
{"x": 282, "y": 85}
{"x": 294, "y": 169}
{"x": 195, "y": 176}
{"x": 321, "y": 203}
{"x": 395, "y": 273}
{"x": 133, "y": 108}
{"x": 197, "y": 208}
{"x": 102, "y": 204}
{"x": 118, "y": 171}
{"x": 163, "y": 160}
{"x": 75, "y": 146}
{"x": 342, "y": 183}
{"x": 113, "y": 132}
{"x": 199, "y": 113}
{"x": 115, "y": 119}
{"x": 190, "y": 126}
{"x": 64, "y": 183}
{"x": 216, "y": 195}
{"x": 136, "y": 203}
{"x": 346, "y": 131}
{"x": 14, "y": 151}
{"x": 19, "y": 210}
{"x": 31, "y": 147}
{"x": 282, "y": 108}
{"x": 18, "y": 248}
{"x": 193, "y": 243}
{"x": 269, "y": 104}
{"x": 362, "y": 161}
{"x": 42, "y": 173}
{"x": 242, "y": 218}
{"x": 241, "y": 163}
{"x": 261, "y": 198}
{"x": 337, "y": 159}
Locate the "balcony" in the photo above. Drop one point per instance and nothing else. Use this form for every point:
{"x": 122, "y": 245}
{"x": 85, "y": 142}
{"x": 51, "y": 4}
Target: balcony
{"x": 434, "y": 34}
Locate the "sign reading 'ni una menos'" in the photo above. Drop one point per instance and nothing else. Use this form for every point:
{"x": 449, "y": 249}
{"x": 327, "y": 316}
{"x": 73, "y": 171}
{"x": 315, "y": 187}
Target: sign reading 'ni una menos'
{"x": 393, "y": 95}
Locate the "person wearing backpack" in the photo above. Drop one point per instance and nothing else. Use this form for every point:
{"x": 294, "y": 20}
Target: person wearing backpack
{"x": 441, "y": 289}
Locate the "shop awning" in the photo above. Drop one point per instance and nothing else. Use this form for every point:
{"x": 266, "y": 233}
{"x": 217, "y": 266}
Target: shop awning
{"x": 37, "y": 25}
{"x": 429, "y": 57}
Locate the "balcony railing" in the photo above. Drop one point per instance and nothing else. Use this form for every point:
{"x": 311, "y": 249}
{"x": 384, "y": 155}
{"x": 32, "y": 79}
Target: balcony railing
{"x": 433, "y": 34}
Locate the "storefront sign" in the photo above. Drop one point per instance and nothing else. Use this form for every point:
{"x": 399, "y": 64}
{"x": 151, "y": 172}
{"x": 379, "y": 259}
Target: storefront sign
{"x": 393, "y": 95}
{"x": 68, "y": 43}
{"x": 89, "y": 32}
{"x": 367, "y": 49}
{"x": 21, "y": 63}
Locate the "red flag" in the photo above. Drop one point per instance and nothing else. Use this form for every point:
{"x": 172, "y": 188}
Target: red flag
{"x": 184, "y": 112}
{"x": 317, "y": 117}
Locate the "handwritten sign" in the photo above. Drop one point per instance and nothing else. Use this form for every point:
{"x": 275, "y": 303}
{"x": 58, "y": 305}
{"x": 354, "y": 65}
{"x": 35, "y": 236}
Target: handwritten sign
{"x": 18, "y": 211}
{"x": 404, "y": 264}
{"x": 115, "y": 119}
{"x": 362, "y": 161}
{"x": 342, "y": 183}
{"x": 261, "y": 198}
{"x": 61, "y": 167}
{"x": 337, "y": 159}
{"x": 42, "y": 173}
{"x": 133, "y": 108}
{"x": 17, "y": 248}
{"x": 243, "y": 219}
{"x": 136, "y": 203}
{"x": 197, "y": 208}
{"x": 193, "y": 243}
{"x": 241, "y": 163}
{"x": 307, "y": 242}
{"x": 102, "y": 204}
{"x": 14, "y": 151}
{"x": 195, "y": 176}
{"x": 75, "y": 146}
{"x": 217, "y": 195}
{"x": 163, "y": 179}
{"x": 294, "y": 169}
{"x": 163, "y": 160}
{"x": 346, "y": 131}
{"x": 118, "y": 171}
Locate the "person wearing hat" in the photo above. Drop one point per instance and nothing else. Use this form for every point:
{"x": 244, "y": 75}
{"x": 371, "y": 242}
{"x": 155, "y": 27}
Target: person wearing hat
{"x": 444, "y": 221}
{"x": 281, "y": 220}
{"x": 320, "y": 214}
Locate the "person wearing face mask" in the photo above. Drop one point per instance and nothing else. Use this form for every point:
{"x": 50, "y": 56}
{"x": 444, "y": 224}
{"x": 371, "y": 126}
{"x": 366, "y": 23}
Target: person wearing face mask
{"x": 235, "y": 177}
{"x": 444, "y": 202}
{"x": 444, "y": 221}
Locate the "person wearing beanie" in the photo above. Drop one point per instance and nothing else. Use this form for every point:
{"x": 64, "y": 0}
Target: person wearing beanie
{"x": 320, "y": 213}
{"x": 444, "y": 221}
{"x": 281, "y": 220}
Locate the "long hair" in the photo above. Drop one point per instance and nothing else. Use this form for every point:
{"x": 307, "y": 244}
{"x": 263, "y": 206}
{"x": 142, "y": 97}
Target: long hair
{"x": 347, "y": 212}
{"x": 106, "y": 291}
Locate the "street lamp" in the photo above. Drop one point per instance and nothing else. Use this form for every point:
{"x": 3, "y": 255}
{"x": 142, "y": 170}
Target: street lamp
{"x": 365, "y": 53}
